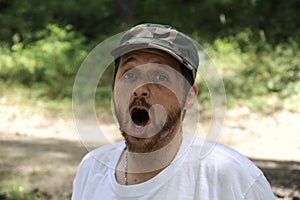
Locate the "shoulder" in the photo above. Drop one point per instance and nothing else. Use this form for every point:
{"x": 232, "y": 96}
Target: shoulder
{"x": 221, "y": 161}
{"x": 106, "y": 154}
{"x": 226, "y": 168}
{"x": 94, "y": 168}
{"x": 218, "y": 155}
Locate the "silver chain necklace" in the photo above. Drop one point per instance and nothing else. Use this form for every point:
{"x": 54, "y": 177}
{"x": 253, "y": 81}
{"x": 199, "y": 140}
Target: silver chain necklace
{"x": 126, "y": 167}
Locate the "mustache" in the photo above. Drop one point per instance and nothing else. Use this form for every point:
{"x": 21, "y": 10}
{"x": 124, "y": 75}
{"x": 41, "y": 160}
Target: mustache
{"x": 139, "y": 102}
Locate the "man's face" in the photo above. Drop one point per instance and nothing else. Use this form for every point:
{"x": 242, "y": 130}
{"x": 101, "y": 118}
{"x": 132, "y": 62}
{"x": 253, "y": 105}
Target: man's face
{"x": 148, "y": 99}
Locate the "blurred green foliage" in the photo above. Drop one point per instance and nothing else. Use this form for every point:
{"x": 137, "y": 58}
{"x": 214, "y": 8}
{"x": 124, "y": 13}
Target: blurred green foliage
{"x": 252, "y": 71}
{"x": 254, "y": 43}
{"x": 274, "y": 69}
{"x": 50, "y": 62}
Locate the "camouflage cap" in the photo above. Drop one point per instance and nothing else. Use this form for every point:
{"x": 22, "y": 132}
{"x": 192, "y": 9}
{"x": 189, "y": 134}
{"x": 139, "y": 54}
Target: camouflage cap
{"x": 162, "y": 37}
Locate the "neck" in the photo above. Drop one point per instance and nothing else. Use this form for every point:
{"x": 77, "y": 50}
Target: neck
{"x": 159, "y": 159}
{"x": 141, "y": 167}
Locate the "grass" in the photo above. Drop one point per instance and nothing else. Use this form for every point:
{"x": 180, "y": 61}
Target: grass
{"x": 28, "y": 101}
{"x": 12, "y": 187}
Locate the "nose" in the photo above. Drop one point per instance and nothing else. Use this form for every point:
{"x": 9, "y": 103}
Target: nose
{"x": 142, "y": 91}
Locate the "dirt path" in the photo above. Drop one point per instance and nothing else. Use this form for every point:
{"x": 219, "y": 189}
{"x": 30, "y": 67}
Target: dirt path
{"x": 40, "y": 167}
{"x": 40, "y": 156}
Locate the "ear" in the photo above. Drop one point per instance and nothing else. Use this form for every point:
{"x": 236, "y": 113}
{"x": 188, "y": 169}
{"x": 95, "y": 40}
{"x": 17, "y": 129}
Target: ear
{"x": 191, "y": 97}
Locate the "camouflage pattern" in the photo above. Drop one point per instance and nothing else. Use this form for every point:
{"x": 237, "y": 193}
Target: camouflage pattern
{"x": 163, "y": 37}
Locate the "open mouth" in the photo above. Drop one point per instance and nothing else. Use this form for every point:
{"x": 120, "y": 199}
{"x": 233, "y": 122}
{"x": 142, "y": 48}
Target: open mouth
{"x": 140, "y": 117}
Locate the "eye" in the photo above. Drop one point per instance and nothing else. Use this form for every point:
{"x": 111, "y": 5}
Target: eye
{"x": 161, "y": 77}
{"x": 129, "y": 76}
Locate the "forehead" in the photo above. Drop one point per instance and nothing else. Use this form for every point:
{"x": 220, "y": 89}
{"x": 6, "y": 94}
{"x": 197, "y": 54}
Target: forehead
{"x": 143, "y": 56}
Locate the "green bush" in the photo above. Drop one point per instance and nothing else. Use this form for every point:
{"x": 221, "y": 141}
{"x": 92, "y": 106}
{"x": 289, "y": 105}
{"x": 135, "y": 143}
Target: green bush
{"x": 50, "y": 62}
{"x": 256, "y": 69}
{"x": 103, "y": 97}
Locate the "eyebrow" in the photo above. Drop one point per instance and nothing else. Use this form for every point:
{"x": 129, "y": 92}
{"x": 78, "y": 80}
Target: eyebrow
{"x": 128, "y": 59}
{"x": 132, "y": 58}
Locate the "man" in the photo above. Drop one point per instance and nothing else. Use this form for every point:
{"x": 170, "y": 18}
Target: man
{"x": 154, "y": 85}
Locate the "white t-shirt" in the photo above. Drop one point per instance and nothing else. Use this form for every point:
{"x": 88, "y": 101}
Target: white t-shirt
{"x": 200, "y": 170}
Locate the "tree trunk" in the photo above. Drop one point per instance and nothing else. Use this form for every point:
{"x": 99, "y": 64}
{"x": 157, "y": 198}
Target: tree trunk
{"x": 124, "y": 10}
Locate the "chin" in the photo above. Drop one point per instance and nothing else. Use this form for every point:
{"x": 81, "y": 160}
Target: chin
{"x": 150, "y": 144}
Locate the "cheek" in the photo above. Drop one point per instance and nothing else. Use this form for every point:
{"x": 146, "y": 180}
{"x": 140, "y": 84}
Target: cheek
{"x": 166, "y": 97}
{"x": 121, "y": 96}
